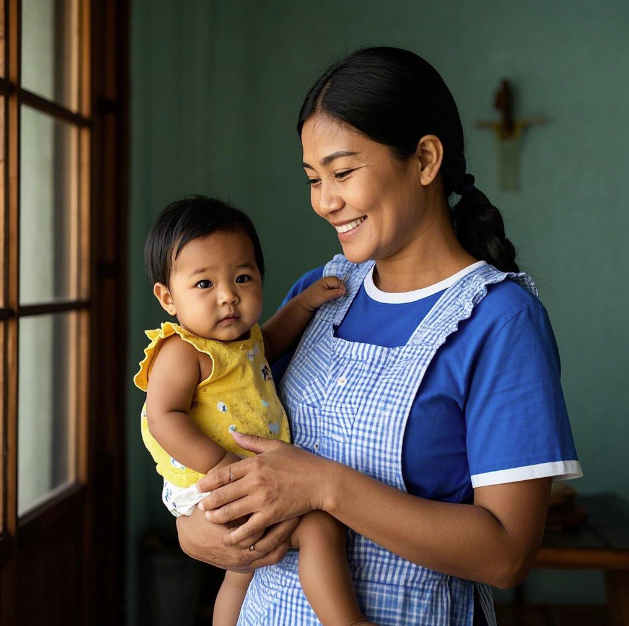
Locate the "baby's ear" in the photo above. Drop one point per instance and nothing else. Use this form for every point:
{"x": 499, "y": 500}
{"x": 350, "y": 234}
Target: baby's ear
{"x": 163, "y": 296}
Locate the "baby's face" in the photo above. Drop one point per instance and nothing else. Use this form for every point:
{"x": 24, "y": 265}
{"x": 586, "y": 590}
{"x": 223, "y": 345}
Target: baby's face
{"x": 216, "y": 287}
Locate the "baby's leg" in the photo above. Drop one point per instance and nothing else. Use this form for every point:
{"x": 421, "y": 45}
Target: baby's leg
{"x": 323, "y": 570}
{"x": 230, "y": 598}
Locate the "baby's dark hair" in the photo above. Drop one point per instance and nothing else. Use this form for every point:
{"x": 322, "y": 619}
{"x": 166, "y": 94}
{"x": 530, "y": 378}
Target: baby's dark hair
{"x": 188, "y": 219}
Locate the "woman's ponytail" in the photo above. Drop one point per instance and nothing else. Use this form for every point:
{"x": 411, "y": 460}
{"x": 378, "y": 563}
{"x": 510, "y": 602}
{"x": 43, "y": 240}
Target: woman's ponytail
{"x": 480, "y": 228}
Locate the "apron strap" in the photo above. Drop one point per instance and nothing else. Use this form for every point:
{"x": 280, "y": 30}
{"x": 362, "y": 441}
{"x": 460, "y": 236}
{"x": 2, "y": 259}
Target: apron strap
{"x": 458, "y": 301}
{"x": 353, "y": 276}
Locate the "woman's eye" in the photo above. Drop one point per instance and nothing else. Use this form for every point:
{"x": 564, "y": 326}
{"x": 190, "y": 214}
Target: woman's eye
{"x": 243, "y": 278}
{"x": 313, "y": 182}
{"x": 204, "y": 284}
{"x": 343, "y": 174}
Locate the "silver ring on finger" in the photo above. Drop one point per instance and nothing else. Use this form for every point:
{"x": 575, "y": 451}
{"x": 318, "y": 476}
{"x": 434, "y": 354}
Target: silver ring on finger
{"x": 252, "y": 547}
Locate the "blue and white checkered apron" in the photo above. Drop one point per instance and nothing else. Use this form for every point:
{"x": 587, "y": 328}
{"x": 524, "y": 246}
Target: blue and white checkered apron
{"x": 349, "y": 402}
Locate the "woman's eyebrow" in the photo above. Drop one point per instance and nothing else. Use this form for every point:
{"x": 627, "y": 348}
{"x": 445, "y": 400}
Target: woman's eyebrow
{"x": 328, "y": 159}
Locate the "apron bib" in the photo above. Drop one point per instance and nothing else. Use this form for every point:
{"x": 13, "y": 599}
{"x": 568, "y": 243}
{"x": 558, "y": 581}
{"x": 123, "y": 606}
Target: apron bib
{"x": 349, "y": 401}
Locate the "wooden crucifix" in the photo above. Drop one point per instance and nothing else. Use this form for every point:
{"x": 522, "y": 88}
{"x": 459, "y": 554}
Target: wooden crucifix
{"x": 508, "y": 133}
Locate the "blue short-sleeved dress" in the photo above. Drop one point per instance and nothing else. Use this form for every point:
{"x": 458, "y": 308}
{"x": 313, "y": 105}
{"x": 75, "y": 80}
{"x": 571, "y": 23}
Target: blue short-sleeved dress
{"x": 435, "y": 393}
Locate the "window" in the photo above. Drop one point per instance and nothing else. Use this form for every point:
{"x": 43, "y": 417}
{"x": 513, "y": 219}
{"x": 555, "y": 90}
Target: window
{"x": 62, "y": 236}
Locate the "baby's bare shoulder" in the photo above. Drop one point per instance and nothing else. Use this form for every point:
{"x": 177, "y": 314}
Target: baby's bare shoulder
{"x": 175, "y": 350}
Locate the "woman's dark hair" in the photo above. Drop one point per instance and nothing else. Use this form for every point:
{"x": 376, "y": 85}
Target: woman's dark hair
{"x": 395, "y": 98}
{"x": 188, "y": 219}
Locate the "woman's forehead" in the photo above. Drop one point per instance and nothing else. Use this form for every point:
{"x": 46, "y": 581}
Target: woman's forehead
{"x": 323, "y": 137}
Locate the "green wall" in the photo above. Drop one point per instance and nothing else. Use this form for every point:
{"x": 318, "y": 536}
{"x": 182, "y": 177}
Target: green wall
{"x": 216, "y": 87}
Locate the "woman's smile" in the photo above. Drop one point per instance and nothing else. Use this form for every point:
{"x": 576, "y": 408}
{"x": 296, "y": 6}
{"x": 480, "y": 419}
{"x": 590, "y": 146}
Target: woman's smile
{"x": 348, "y": 228}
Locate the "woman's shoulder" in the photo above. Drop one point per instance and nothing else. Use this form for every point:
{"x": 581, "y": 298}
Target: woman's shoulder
{"x": 510, "y": 296}
{"x": 509, "y": 306}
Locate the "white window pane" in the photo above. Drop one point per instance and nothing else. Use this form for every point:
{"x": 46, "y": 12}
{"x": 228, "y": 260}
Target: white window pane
{"x": 46, "y": 441}
{"x": 49, "y": 49}
{"x": 48, "y": 209}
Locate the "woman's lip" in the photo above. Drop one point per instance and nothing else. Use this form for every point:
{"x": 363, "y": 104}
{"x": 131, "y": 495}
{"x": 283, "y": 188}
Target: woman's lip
{"x": 356, "y": 222}
{"x": 348, "y": 234}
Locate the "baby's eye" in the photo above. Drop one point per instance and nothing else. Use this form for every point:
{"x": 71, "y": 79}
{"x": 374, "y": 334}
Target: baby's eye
{"x": 342, "y": 175}
{"x": 243, "y": 278}
{"x": 204, "y": 284}
{"x": 313, "y": 182}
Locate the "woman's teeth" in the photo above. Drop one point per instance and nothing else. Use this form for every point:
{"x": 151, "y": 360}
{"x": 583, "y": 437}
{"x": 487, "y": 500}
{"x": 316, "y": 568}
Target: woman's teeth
{"x": 347, "y": 227}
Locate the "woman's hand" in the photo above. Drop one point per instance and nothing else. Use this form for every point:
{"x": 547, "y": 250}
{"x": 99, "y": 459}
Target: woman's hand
{"x": 279, "y": 483}
{"x": 206, "y": 542}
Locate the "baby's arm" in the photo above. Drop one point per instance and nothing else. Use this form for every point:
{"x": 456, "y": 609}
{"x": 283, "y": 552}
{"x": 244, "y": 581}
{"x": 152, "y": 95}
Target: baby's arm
{"x": 282, "y": 330}
{"x": 173, "y": 378}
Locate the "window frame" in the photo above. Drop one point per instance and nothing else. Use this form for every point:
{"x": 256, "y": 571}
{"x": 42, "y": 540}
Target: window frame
{"x": 12, "y": 312}
{"x": 102, "y": 121}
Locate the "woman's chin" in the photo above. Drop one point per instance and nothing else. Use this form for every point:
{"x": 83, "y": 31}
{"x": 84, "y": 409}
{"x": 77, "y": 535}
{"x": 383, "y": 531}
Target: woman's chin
{"x": 355, "y": 255}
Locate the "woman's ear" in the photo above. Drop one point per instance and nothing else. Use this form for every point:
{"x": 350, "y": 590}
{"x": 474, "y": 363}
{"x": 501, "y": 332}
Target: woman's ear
{"x": 430, "y": 155}
{"x": 165, "y": 299}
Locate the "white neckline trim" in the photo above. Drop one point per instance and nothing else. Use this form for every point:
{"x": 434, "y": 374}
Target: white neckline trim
{"x": 418, "y": 294}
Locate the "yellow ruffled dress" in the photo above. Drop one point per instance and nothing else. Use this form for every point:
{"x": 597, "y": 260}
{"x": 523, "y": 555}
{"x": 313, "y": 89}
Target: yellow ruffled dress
{"x": 238, "y": 395}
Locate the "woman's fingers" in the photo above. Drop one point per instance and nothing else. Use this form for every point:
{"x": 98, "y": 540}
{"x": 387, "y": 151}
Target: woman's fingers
{"x": 208, "y": 543}
{"x": 281, "y": 483}
{"x": 271, "y": 548}
{"x": 273, "y": 557}
{"x": 247, "y": 543}
{"x": 223, "y": 476}
{"x": 256, "y": 523}
{"x": 232, "y": 510}
{"x": 235, "y": 471}
{"x": 254, "y": 443}
{"x": 223, "y": 495}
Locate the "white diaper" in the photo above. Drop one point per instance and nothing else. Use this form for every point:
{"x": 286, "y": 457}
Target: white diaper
{"x": 181, "y": 500}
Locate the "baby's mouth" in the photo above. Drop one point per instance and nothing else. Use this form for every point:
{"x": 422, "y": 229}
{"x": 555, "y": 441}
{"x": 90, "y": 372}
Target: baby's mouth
{"x": 229, "y": 319}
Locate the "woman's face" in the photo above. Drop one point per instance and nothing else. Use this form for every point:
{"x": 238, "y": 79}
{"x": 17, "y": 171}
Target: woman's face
{"x": 372, "y": 199}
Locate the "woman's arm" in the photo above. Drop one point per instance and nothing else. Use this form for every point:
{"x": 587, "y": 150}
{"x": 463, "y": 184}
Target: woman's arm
{"x": 284, "y": 328}
{"x": 173, "y": 378}
{"x": 493, "y": 541}
{"x": 212, "y": 544}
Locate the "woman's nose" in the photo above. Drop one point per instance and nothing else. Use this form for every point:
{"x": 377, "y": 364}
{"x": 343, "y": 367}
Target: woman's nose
{"x": 329, "y": 200}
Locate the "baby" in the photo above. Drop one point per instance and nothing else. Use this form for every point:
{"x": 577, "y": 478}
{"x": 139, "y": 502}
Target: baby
{"x": 207, "y": 375}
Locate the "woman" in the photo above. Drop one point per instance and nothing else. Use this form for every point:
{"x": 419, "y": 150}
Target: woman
{"x": 426, "y": 408}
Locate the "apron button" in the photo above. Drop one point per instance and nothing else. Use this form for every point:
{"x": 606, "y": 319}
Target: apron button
{"x": 341, "y": 381}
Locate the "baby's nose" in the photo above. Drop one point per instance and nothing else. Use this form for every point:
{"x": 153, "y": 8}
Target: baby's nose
{"x": 228, "y": 296}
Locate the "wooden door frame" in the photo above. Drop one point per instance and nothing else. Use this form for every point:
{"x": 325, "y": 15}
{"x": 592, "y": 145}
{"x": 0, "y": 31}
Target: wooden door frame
{"x": 98, "y": 497}
{"x": 110, "y": 202}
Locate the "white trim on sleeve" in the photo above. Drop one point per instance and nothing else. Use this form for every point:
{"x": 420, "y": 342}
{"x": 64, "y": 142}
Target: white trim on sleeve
{"x": 559, "y": 470}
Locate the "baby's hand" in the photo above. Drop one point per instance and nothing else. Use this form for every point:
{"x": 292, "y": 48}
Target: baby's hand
{"x": 326, "y": 288}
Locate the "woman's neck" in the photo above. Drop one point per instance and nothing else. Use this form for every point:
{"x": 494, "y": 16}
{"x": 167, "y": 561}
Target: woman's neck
{"x": 434, "y": 256}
